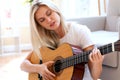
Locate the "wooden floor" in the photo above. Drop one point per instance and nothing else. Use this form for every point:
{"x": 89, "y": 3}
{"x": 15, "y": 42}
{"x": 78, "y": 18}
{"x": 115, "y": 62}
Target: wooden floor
{"x": 10, "y": 67}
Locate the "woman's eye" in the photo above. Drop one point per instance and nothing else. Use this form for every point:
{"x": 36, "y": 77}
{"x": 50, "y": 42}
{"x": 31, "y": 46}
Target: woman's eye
{"x": 42, "y": 19}
{"x": 49, "y": 13}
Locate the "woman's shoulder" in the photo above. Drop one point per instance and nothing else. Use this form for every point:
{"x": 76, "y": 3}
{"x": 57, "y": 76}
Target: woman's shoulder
{"x": 75, "y": 25}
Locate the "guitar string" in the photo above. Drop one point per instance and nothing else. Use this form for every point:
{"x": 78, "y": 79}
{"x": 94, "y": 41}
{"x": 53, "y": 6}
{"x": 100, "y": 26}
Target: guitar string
{"x": 74, "y": 60}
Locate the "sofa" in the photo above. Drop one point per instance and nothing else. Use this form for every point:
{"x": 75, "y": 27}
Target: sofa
{"x": 105, "y": 30}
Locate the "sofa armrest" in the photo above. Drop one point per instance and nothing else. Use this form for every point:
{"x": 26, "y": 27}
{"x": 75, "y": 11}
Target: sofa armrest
{"x": 111, "y": 60}
{"x": 118, "y": 25}
{"x": 93, "y": 23}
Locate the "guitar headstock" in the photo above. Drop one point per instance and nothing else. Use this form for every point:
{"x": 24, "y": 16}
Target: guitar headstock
{"x": 117, "y": 45}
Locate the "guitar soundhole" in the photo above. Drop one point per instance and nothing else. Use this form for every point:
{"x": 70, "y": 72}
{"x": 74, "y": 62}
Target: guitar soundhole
{"x": 57, "y": 66}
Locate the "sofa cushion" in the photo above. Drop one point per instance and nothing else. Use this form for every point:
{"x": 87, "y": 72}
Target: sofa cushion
{"x": 104, "y": 37}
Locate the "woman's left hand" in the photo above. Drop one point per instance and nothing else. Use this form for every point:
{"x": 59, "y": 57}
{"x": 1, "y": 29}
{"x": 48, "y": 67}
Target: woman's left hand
{"x": 95, "y": 63}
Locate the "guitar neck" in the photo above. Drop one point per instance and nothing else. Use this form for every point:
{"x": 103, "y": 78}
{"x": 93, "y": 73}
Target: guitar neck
{"x": 83, "y": 56}
{"x": 106, "y": 48}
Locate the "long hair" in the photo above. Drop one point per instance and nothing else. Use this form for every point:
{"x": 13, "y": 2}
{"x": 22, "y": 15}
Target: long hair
{"x": 41, "y": 36}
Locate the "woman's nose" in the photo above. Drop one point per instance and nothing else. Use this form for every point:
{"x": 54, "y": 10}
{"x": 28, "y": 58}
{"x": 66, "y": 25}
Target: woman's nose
{"x": 48, "y": 19}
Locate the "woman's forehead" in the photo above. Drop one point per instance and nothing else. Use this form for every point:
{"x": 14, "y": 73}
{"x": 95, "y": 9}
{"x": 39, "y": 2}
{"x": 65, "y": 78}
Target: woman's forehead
{"x": 41, "y": 10}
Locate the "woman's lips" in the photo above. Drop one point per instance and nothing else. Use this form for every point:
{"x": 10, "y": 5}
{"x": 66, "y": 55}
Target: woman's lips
{"x": 52, "y": 24}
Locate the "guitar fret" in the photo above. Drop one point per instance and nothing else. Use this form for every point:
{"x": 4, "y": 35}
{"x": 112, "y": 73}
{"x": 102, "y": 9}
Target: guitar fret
{"x": 86, "y": 56}
{"x": 75, "y": 62}
{"x": 72, "y": 61}
{"x": 105, "y": 49}
{"x": 63, "y": 63}
{"x": 77, "y": 59}
{"x": 82, "y": 57}
{"x": 67, "y": 61}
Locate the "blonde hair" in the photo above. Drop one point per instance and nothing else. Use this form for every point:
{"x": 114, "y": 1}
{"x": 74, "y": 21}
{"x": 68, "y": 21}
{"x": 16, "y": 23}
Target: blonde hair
{"x": 39, "y": 35}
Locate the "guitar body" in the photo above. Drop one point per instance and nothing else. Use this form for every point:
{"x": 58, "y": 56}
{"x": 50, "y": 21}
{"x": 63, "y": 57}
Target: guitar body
{"x": 71, "y": 65}
{"x": 35, "y": 60}
{"x": 63, "y": 51}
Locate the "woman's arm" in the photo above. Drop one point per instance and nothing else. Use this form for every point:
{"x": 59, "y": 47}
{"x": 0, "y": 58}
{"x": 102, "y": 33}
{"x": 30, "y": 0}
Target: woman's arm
{"x": 95, "y": 62}
{"x": 27, "y": 66}
{"x": 42, "y": 69}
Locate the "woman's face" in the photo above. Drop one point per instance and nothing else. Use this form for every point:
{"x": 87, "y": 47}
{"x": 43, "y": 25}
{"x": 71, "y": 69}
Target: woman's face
{"x": 47, "y": 18}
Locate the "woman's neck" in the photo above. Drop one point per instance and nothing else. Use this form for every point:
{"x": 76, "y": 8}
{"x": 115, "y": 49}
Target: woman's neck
{"x": 60, "y": 32}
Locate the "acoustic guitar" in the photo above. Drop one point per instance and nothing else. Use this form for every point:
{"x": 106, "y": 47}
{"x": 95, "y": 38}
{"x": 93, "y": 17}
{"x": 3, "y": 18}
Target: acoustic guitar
{"x": 69, "y": 60}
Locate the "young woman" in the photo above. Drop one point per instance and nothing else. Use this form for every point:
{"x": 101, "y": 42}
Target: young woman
{"x": 49, "y": 28}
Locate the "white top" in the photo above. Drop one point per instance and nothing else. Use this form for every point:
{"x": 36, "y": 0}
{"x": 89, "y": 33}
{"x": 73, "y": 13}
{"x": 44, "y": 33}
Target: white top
{"x": 79, "y": 35}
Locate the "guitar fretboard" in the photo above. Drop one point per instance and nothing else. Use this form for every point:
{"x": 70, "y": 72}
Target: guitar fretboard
{"x": 81, "y": 57}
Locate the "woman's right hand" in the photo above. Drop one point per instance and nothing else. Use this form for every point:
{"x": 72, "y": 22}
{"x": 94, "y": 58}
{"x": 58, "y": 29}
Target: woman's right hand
{"x": 44, "y": 71}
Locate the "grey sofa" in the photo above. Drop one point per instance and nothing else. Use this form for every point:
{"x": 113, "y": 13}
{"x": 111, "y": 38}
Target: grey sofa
{"x": 106, "y": 29}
